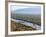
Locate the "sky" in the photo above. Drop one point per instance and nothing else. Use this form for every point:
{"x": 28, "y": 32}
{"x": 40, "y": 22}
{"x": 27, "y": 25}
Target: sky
{"x": 17, "y": 7}
{"x": 26, "y": 9}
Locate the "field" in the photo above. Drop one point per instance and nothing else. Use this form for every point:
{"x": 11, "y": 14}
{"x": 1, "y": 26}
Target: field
{"x": 36, "y": 19}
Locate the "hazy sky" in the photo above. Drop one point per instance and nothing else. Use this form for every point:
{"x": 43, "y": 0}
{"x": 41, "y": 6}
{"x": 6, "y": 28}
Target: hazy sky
{"x": 17, "y": 7}
{"x": 29, "y": 10}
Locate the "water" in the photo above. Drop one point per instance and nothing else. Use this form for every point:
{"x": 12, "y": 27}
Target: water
{"x": 27, "y": 23}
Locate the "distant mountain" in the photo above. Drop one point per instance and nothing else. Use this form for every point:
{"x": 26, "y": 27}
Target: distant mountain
{"x": 33, "y": 11}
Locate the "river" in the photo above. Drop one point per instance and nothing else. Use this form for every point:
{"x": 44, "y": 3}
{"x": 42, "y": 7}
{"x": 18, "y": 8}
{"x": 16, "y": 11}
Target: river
{"x": 35, "y": 26}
